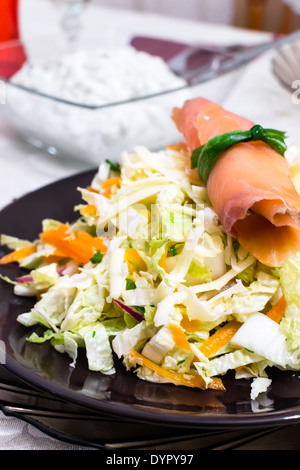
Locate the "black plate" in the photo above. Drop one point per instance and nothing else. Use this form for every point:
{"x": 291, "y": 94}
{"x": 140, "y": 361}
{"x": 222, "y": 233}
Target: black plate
{"x": 123, "y": 394}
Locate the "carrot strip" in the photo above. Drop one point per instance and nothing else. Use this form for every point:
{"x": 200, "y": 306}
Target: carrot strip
{"x": 79, "y": 246}
{"x": 107, "y": 186}
{"x": 55, "y": 234}
{"x": 219, "y": 339}
{"x": 278, "y": 309}
{"x": 85, "y": 249}
{"x": 95, "y": 242}
{"x": 58, "y": 237}
{"x": 162, "y": 261}
{"x": 55, "y": 258}
{"x": 179, "y": 337}
{"x": 190, "y": 325}
{"x": 134, "y": 260}
{"x": 180, "y": 379}
{"x": 91, "y": 189}
{"x": 18, "y": 255}
{"x": 111, "y": 182}
{"x": 88, "y": 210}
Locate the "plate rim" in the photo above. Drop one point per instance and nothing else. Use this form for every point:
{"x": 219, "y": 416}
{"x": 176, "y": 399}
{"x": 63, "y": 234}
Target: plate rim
{"x": 151, "y": 415}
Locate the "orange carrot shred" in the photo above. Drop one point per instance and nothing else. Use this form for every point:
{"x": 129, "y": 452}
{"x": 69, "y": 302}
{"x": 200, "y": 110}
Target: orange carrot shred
{"x": 278, "y": 309}
{"x": 219, "y": 339}
{"x": 111, "y": 182}
{"x": 91, "y": 189}
{"x": 179, "y": 337}
{"x": 134, "y": 260}
{"x": 55, "y": 258}
{"x": 88, "y": 210}
{"x": 79, "y": 246}
{"x": 107, "y": 186}
{"x": 162, "y": 261}
{"x": 18, "y": 255}
{"x": 196, "y": 381}
{"x": 190, "y": 325}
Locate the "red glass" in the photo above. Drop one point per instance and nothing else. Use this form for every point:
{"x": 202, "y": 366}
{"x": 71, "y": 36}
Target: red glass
{"x": 9, "y": 24}
{"x": 12, "y": 51}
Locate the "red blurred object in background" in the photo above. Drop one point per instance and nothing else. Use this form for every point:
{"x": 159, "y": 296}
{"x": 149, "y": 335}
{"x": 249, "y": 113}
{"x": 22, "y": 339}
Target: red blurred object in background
{"x": 12, "y": 51}
{"x": 9, "y": 20}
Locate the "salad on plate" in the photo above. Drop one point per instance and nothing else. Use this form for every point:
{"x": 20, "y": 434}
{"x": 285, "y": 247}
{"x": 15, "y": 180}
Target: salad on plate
{"x": 183, "y": 263}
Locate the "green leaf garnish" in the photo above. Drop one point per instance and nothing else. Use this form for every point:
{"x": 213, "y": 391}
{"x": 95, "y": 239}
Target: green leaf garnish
{"x": 139, "y": 309}
{"x": 97, "y": 258}
{"x": 180, "y": 362}
{"x": 113, "y": 166}
{"x": 205, "y": 157}
{"x": 172, "y": 250}
{"x": 130, "y": 285}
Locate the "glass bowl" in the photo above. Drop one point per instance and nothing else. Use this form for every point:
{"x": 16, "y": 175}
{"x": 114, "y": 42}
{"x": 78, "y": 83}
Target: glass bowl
{"x": 85, "y": 132}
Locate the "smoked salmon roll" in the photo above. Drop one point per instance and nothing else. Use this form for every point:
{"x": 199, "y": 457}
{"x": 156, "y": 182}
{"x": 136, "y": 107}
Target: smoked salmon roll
{"x": 249, "y": 186}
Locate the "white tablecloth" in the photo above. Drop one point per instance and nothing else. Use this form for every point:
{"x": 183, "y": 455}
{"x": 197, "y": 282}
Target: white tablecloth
{"x": 16, "y": 434}
{"x": 255, "y": 94}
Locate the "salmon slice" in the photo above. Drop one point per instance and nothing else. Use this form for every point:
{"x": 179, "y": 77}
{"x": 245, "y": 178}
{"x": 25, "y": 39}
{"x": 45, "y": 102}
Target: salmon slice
{"x": 199, "y": 120}
{"x": 250, "y": 186}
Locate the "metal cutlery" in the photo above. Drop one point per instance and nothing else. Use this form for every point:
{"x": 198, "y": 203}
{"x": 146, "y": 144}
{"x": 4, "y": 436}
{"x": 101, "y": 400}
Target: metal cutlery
{"x": 226, "y": 61}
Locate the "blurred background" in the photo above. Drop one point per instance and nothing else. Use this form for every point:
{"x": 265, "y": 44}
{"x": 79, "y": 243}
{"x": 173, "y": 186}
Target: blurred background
{"x": 279, "y": 16}
{"x": 47, "y": 29}
{"x": 270, "y": 15}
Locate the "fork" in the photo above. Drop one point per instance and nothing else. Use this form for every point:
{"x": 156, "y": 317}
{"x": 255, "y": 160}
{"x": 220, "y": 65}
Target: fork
{"x": 226, "y": 60}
